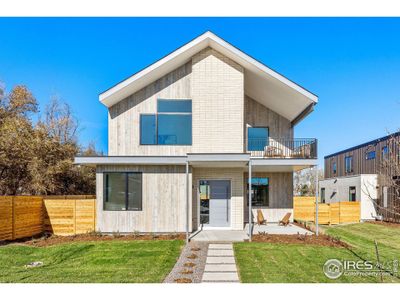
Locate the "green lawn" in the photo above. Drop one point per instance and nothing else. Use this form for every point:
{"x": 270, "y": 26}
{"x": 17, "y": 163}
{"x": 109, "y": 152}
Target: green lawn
{"x": 100, "y": 261}
{"x": 265, "y": 262}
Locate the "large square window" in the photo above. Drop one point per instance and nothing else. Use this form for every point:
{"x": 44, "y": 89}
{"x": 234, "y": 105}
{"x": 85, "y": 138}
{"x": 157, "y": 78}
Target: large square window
{"x": 259, "y": 191}
{"x": 122, "y": 191}
{"x": 171, "y": 125}
{"x": 174, "y": 129}
{"x": 257, "y": 138}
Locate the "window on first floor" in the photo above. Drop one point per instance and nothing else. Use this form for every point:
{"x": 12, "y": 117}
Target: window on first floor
{"x": 122, "y": 191}
{"x": 259, "y": 191}
{"x": 322, "y": 195}
{"x": 352, "y": 194}
{"x": 348, "y": 161}
{"x": 257, "y": 138}
{"x": 171, "y": 125}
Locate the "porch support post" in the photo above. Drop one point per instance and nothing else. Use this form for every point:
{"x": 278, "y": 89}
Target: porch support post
{"x": 187, "y": 202}
{"x": 249, "y": 198}
{"x": 316, "y": 200}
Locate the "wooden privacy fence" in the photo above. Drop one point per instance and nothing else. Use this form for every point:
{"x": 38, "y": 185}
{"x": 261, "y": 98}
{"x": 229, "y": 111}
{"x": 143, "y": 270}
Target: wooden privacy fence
{"x": 26, "y": 216}
{"x": 333, "y": 213}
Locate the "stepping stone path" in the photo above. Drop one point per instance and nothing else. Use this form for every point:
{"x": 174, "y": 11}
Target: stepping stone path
{"x": 220, "y": 264}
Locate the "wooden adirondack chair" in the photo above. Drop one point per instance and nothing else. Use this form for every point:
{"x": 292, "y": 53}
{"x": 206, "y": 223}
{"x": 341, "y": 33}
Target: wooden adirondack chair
{"x": 285, "y": 220}
{"x": 260, "y": 218}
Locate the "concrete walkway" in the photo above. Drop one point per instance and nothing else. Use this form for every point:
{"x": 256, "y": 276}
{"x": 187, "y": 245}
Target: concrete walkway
{"x": 219, "y": 236}
{"x": 220, "y": 264}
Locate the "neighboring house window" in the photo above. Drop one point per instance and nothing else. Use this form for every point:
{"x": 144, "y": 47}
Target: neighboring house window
{"x": 352, "y": 193}
{"x": 122, "y": 191}
{"x": 259, "y": 192}
{"x": 334, "y": 167}
{"x": 323, "y": 195}
{"x": 384, "y": 152}
{"x": 172, "y": 125}
{"x": 348, "y": 161}
{"x": 370, "y": 155}
{"x": 257, "y": 138}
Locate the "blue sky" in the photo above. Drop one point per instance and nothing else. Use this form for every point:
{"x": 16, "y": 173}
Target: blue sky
{"x": 352, "y": 64}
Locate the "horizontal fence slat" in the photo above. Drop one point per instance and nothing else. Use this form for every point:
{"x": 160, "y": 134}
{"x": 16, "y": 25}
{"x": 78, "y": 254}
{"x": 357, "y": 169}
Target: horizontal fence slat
{"x": 26, "y": 216}
{"x": 332, "y": 213}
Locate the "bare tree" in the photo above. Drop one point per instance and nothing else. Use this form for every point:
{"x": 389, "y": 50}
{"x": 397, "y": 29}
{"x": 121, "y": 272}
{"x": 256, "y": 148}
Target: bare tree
{"x": 304, "y": 181}
{"x": 389, "y": 179}
{"x": 60, "y": 122}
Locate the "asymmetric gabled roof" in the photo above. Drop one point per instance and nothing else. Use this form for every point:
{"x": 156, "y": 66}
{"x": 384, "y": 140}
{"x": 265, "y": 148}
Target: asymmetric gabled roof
{"x": 260, "y": 82}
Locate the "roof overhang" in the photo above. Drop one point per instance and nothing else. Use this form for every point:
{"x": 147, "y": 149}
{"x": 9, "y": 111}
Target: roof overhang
{"x": 261, "y": 83}
{"x": 130, "y": 160}
{"x": 282, "y": 165}
{"x": 231, "y": 160}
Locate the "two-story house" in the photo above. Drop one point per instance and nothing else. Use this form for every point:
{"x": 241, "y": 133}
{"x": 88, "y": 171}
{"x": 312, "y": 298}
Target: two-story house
{"x": 353, "y": 174}
{"x": 186, "y": 136}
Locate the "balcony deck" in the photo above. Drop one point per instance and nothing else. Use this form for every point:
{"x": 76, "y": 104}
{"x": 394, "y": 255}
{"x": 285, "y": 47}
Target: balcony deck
{"x": 298, "y": 148}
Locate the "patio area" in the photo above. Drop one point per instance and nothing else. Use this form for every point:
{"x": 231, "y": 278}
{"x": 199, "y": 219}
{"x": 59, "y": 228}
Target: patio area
{"x": 242, "y": 235}
{"x": 274, "y": 228}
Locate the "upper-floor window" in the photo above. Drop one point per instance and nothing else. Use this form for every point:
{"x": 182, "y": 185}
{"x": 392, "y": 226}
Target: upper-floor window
{"x": 385, "y": 151}
{"x": 171, "y": 125}
{"x": 334, "y": 167}
{"x": 370, "y": 155}
{"x": 348, "y": 162}
{"x": 257, "y": 138}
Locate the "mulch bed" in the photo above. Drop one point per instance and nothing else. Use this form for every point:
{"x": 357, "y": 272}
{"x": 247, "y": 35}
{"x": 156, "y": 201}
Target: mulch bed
{"x": 49, "y": 240}
{"x": 321, "y": 240}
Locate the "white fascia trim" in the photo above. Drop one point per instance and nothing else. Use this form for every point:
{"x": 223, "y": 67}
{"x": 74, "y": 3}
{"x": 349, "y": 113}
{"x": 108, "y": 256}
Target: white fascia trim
{"x": 127, "y": 160}
{"x": 208, "y": 39}
{"x": 283, "y": 162}
{"x": 218, "y": 157}
{"x": 103, "y": 97}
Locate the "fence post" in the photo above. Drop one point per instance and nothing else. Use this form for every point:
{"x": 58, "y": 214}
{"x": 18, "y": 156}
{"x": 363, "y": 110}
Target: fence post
{"x": 74, "y": 216}
{"x": 13, "y": 217}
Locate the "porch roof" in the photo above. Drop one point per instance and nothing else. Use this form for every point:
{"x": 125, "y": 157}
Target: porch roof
{"x": 216, "y": 160}
{"x": 282, "y": 165}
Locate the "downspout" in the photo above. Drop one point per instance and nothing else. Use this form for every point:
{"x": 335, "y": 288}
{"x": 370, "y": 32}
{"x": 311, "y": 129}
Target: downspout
{"x": 249, "y": 198}
{"x": 187, "y": 202}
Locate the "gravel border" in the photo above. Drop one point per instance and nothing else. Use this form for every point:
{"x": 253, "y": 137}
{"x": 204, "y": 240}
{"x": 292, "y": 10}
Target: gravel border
{"x": 198, "y": 269}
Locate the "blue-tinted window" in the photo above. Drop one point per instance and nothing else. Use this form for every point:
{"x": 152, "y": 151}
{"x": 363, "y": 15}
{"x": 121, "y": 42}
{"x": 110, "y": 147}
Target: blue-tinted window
{"x": 334, "y": 168}
{"x": 384, "y": 152}
{"x": 257, "y": 138}
{"x": 370, "y": 155}
{"x": 148, "y": 130}
{"x": 174, "y": 106}
{"x": 174, "y": 129}
{"x": 172, "y": 125}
